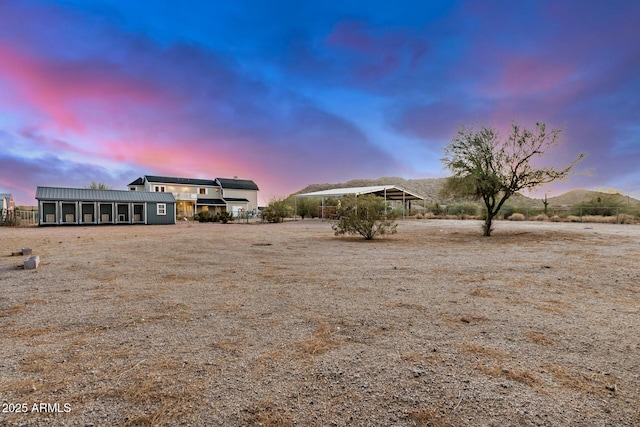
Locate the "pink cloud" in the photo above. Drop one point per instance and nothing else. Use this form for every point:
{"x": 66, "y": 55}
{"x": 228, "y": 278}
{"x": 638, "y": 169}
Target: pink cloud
{"x": 59, "y": 90}
{"x": 524, "y": 76}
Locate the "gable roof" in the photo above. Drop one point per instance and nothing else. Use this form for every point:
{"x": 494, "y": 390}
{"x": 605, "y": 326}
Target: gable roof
{"x": 87, "y": 195}
{"x": 176, "y": 180}
{"x": 237, "y": 184}
{"x": 139, "y": 181}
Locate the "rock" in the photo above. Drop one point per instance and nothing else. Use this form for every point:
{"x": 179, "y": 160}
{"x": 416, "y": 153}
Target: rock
{"x": 31, "y": 263}
{"x": 26, "y": 251}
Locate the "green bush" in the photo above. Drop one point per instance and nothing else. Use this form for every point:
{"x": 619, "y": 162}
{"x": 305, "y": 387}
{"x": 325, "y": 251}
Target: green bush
{"x": 364, "y": 215}
{"x": 277, "y": 210}
{"x": 204, "y": 216}
{"x": 462, "y": 209}
{"x": 224, "y": 217}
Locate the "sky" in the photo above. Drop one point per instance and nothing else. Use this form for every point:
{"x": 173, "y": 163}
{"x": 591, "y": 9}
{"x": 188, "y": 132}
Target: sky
{"x": 291, "y": 93}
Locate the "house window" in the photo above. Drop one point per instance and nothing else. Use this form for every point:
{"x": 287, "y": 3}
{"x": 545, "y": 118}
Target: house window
{"x": 133, "y": 189}
{"x": 202, "y": 191}
{"x": 162, "y": 209}
{"x": 159, "y": 188}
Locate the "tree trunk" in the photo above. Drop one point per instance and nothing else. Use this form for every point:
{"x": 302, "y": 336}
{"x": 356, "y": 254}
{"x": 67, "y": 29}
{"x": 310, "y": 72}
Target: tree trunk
{"x": 487, "y": 225}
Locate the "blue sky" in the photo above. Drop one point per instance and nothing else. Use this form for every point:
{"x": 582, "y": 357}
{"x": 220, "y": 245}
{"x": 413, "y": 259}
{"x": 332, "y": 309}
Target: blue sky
{"x": 292, "y": 93}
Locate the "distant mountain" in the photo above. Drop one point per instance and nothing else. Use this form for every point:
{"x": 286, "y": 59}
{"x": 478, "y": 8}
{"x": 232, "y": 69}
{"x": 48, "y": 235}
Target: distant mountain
{"x": 430, "y": 188}
{"x": 575, "y": 197}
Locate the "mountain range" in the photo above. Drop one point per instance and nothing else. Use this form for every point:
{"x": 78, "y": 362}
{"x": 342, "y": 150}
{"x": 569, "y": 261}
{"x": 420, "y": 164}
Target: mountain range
{"x": 430, "y": 188}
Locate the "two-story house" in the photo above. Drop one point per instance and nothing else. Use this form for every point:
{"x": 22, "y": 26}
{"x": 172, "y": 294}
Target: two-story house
{"x": 196, "y": 195}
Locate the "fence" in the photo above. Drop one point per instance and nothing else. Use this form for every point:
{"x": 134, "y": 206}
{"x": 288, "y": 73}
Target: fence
{"x": 603, "y": 214}
{"x": 20, "y": 218}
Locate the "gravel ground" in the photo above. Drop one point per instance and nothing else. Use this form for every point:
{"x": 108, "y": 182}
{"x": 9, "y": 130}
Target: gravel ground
{"x": 287, "y": 324}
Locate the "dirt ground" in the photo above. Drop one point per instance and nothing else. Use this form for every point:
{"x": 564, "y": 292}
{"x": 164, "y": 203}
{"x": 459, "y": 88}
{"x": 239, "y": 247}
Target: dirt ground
{"x": 287, "y": 324}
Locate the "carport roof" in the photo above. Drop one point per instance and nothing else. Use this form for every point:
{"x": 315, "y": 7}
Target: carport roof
{"x": 390, "y": 192}
{"x": 88, "y": 195}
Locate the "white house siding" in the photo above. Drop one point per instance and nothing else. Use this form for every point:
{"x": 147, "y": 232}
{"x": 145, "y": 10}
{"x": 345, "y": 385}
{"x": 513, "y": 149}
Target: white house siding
{"x": 250, "y": 195}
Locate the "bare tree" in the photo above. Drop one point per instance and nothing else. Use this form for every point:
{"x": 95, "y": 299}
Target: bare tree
{"x": 492, "y": 170}
{"x": 98, "y": 186}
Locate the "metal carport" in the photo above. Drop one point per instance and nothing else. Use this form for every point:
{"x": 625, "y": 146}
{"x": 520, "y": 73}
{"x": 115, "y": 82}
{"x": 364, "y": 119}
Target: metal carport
{"x": 388, "y": 192}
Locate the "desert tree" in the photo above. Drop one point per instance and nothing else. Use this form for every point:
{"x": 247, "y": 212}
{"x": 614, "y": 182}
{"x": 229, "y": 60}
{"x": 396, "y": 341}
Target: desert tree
{"x": 492, "y": 169}
{"x": 366, "y": 215}
{"x": 277, "y": 210}
{"x": 307, "y": 206}
{"x": 98, "y": 186}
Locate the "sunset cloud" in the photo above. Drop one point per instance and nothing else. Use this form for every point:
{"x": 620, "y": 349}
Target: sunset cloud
{"x": 322, "y": 93}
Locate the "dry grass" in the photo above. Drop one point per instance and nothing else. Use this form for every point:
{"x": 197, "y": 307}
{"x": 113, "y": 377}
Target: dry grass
{"x": 430, "y": 418}
{"x": 13, "y": 310}
{"x": 522, "y": 376}
{"x": 591, "y": 382}
{"x": 481, "y": 293}
{"x": 434, "y": 326}
{"x": 320, "y": 341}
{"x": 497, "y": 365}
{"x": 478, "y": 350}
{"x": 538, "y": 338}
{"x": 266, "y": 414}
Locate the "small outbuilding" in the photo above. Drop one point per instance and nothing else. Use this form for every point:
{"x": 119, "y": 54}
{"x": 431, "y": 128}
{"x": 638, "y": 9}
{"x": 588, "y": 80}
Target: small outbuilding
{"x": 81, "y": 206}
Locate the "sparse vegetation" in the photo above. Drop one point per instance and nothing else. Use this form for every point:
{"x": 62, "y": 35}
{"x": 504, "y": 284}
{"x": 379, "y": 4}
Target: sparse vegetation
{"x": 206, "y": 216}
{"x": 307, "y": 207}
{"x": 272, "y": 325}
{"x": 277, "y": 210}
{"x": 366, "y": 215}
{"x": 492, "y": 170}
{"x": 98, "y": 186}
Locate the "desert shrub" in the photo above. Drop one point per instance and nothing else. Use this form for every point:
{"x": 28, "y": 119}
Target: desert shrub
{"x": 506, "y": 211}
{"x": 277, "y": 210}
{"x": 626, "y": 219}
{"x": 419, "y": 216}
{"x": 516, "y": 217}
{"x": 308, "y": 207}
{"x": 436, "y": 209}
{"x": 462, "y": 210}
{"x": 600, "y": 219}
{"x": 224, "y": 217}
{"x": 541, "y": 217}
{"x": 572, "y": 218}
{"x": 600, "y": 204}
{"x": 365, "y": 215}
{"x": 204, "y": 216}
{"x": 556, "y": 218}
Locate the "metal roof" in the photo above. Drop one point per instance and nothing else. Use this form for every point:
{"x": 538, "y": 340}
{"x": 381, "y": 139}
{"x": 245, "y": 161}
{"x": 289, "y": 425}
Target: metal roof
{"x": 139, "y": 181}
{"x": 210, "y": 202}
{"x": 88, "y": 195}
{"x": 237, "y": 184}
{"x": 391, "y": 192}
{"x": 175, "y": 180}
